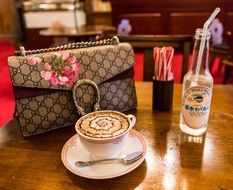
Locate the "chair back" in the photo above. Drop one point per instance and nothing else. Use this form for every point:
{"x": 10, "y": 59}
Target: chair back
{"x": 229, "y": 42}
{"x": 146, "y": 43}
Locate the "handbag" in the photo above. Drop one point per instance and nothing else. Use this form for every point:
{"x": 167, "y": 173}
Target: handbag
{"x": 53, "y": 87}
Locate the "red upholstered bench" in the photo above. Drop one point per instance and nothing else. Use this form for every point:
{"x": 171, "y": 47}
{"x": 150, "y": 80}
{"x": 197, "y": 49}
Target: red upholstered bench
{"x": 6, "y": 93}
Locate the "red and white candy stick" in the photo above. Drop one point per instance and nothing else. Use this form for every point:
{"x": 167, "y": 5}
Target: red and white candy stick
{"x": 162, "y": 63}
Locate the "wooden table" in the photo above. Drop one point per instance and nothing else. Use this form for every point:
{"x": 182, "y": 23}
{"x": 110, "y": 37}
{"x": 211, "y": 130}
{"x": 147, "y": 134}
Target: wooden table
{"x": 82, "y": 33}
{"x": 173, "y": 160}
{"x": 148, "y": 42}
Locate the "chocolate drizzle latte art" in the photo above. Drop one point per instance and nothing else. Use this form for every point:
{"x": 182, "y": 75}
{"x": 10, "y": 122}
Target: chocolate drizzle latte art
{"x": 103, "y": 125}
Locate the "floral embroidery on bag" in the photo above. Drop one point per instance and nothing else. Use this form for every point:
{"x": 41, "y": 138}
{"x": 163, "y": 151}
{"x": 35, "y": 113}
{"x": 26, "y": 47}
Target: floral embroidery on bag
{"x": 61, "y": 70}
{"x": 32, "y": 60}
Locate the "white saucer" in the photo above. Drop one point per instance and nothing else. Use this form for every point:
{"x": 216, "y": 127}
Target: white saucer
{"x": 73, "y": 151}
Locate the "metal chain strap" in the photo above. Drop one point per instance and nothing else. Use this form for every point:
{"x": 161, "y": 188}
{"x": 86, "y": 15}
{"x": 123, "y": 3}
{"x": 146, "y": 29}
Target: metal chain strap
{"x": 97, "y": 94}
{"x": 111, "y": 41}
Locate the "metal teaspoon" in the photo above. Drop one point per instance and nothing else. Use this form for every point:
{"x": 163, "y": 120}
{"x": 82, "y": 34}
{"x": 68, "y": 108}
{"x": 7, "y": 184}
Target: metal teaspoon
{"x": 126, "y": 159}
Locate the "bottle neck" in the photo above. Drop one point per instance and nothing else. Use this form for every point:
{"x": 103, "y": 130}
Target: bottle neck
{"x": 204, "y": 57}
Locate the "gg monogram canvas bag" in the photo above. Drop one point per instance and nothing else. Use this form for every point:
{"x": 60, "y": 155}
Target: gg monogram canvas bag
{"x": 53, "y": 87}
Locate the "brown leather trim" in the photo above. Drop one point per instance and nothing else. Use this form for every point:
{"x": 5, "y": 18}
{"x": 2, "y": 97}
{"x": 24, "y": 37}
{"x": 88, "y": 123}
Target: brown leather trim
{"x": 23, "y": 92}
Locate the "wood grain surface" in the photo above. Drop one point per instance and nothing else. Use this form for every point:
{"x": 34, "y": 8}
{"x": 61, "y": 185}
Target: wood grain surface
{"x": 173, "y": 160}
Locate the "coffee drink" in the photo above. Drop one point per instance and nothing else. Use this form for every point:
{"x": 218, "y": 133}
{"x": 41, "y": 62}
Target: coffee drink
{"x": 104, "y": 133}
{"x": 103, "y": 124}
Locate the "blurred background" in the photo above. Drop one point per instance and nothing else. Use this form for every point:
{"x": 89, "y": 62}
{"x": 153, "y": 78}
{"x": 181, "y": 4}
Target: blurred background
{"x": 44, "y": 23}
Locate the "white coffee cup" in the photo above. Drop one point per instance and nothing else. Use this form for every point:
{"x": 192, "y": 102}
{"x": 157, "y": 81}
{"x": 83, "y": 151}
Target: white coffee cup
{"x": 104, "y": 147}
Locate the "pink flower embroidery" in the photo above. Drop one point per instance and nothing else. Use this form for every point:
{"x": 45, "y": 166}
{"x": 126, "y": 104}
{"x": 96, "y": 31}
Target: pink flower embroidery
{"x": 67, "y": 71}
{"x": 46, "y": 74}
{"x": 63, "y": 79}
{"x": 54, "y": 80}
{"x": 75, "y": 69}
{"x": 71, "y": 59}
{"x": 61, "y": 69}
{"x": 65, "y": 56}
{"x": 32, "y": 60}
{"x": 47, "y": 67}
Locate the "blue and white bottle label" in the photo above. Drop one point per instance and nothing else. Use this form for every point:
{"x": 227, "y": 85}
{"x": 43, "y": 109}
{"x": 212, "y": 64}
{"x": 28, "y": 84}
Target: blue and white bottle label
{"x": 196, "y": 106}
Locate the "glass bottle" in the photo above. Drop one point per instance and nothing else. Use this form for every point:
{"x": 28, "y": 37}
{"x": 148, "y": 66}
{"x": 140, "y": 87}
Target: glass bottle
{"x": 197, "y": 88}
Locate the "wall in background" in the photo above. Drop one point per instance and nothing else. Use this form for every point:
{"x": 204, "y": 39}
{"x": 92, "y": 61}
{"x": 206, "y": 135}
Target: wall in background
{"x": 170, "y": 16}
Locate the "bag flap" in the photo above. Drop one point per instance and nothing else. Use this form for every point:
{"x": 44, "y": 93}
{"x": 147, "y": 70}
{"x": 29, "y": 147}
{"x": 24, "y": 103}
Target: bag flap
{"x": 61, "y": 69}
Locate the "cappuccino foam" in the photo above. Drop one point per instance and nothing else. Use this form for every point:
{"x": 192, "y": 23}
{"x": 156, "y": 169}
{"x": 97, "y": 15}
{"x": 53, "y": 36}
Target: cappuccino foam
{"x": 103, "y": 125}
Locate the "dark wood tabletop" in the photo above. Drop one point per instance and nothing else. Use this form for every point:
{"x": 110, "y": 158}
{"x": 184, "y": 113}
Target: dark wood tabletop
{"x": 173, "y": 160}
